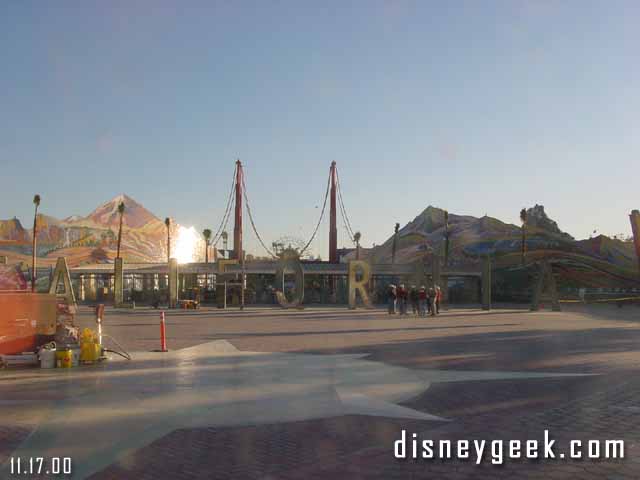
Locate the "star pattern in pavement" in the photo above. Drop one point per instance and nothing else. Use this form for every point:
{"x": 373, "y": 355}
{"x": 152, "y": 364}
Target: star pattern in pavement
{"x": 96, "y": 415}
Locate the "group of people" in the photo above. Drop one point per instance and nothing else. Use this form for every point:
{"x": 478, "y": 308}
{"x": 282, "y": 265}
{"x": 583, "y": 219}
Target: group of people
{"x": 423, "y": 301}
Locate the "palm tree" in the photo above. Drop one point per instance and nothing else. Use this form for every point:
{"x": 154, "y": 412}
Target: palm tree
{"x": 523, "y": 220}
{"x": 36, "y": 202}
{"x": 446, "y": 238}
{"x": 167, "y": 222}
{"x": 225, "y": 236}
{"x": 121, "y": 214}
{"x": 206, "y": 233}
{"x": 356, "y": 238}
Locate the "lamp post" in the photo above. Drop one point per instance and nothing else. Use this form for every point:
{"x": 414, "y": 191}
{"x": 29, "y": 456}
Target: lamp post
{"x": 206, "y": 233}
{"x": 121, "y": 208}
{"x": 36, "y": 202}
{"x": 167, "y": 222}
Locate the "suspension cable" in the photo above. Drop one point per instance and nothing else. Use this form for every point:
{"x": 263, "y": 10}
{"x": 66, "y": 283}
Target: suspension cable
{"x": 343, "y": 210}
{"x": 224, "y": 224}
{"x": 225, "y": 217}
{"x": 324, "y": 206}
{"x": 342, "y": 207}
{"x": 253, "y": 225}
{"x": 345, "y": 224}
{"x": 349, "y": 234}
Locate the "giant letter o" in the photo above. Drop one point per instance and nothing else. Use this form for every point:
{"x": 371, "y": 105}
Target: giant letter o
{"x": 295, "y": 265}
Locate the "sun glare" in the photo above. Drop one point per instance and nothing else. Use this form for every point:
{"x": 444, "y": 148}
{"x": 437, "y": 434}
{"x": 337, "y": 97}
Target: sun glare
{"x": 186, "y": 244}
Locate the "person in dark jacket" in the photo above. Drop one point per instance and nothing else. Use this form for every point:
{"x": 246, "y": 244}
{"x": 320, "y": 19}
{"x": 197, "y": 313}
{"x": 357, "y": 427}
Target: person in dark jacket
{"x": 415, "y": 299}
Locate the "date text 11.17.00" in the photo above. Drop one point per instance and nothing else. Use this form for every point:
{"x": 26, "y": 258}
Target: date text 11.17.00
{"x": 40, "y": 466}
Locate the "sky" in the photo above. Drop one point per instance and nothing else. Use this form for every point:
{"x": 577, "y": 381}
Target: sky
{"x": 476, "y": 107}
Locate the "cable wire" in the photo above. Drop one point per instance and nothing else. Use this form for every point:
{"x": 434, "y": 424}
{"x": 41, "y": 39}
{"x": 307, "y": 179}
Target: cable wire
{"x": 324, "y": 206}
{"x": 123, "y": 354}
{"x": 343, "y": 210}
{"x": 225, "y": 218}
{"x": 253, "y": 225}
{"x": 317, "y": 227}
{"x": 342, "y": 207}
{"x": 227, "y": 213}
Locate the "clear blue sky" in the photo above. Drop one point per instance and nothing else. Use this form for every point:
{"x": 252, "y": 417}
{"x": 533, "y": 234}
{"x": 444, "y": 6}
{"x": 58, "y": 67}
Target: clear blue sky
{"x": 478, "y": 107}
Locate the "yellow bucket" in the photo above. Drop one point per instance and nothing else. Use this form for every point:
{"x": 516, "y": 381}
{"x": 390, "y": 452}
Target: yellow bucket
{"x": 64, "y": 358}
{"x": 90, "y": 352}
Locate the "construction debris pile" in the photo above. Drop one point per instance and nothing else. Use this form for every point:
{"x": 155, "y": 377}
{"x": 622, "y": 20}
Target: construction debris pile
{"x": 39, "y": 328}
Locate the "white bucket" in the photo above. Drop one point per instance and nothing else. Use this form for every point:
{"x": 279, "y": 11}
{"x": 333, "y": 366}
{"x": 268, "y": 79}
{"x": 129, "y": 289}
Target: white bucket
{"x": 47, "y": 358}
{"x": 75, "y": 357}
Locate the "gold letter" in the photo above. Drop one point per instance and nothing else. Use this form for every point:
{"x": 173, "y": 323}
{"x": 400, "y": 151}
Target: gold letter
{"x": 283, "y": 266}
{"x": 173, "y": 282}
{"x": 62, "y": 273}
{"x": 358, "y": 285}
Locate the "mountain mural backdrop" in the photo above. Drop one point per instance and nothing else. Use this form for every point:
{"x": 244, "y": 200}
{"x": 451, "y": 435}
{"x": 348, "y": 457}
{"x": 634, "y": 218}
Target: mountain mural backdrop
{"x": 92, "y": 239}
{"x": 597, "y": 261}
{"x": 88, "y": 239}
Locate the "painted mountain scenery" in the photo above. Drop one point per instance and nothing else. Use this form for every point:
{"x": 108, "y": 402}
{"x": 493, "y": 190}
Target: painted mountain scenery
{"x": 92, "y": 239}
{"x": 88, "y": 239}
{"x": 595, "y": 261}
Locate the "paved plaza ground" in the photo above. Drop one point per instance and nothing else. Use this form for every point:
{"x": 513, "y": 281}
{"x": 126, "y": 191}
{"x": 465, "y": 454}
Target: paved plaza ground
{"x": 325, "y": 392}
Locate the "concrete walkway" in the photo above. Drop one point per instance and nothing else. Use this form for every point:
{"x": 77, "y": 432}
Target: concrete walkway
{"x": 115, "y": 420}
{"x": 102, "y": 413}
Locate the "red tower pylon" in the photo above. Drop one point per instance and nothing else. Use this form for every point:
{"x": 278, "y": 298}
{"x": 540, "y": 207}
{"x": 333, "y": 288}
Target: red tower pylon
{"x": 333, "y": 230}
{"x": 237, "y": 229}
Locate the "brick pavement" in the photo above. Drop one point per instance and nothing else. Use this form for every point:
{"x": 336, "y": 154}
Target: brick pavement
{"x": 599, "y": 340}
